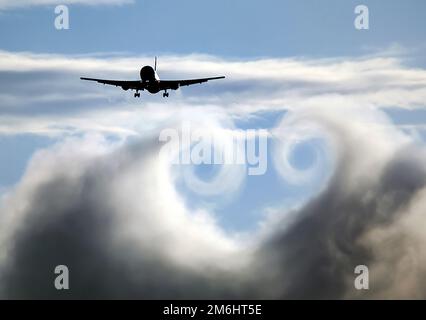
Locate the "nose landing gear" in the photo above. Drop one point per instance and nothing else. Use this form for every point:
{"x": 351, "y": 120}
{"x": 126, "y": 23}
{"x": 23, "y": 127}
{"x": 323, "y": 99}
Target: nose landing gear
{"x": 137, "y": 94}
{"x": 165, "y": 94}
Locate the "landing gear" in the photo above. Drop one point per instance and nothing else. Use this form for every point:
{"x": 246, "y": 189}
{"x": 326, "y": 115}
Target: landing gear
{"x": 137, "y": 94}
{"x": 165, "y": 94}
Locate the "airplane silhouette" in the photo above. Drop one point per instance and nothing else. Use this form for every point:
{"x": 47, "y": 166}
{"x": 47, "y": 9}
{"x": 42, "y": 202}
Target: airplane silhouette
{"x": 151, "y": 82}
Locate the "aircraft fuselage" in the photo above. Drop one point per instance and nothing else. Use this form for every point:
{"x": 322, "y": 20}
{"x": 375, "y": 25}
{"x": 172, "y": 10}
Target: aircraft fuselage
{"x": 150, "y": 77}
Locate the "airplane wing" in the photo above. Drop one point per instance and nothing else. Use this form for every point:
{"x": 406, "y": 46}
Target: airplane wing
{"x": 175, "y": 84}
{"x": 126, "y": 85}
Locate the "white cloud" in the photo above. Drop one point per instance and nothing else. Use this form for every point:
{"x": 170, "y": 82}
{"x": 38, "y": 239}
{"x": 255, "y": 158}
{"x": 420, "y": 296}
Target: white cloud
{"x": 48, "y": 86}
{"x": 6, "y": 4}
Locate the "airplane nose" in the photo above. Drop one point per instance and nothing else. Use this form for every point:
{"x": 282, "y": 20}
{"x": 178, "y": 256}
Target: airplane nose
{"x": 147, "y": 74}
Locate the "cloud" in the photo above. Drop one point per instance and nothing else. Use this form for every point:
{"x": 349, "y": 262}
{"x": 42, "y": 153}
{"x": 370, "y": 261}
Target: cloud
{"x": 112, "y": 213}
{"x": 42, "y": 93}
{"x": 5, "y": 4}
{"x": 111, "y": 209}
{"x": 360, "y": 218}
{"x": 119, "y": 205}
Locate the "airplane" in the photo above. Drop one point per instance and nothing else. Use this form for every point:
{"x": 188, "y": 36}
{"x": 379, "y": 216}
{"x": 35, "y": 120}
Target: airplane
{"x": 151, "y": 82}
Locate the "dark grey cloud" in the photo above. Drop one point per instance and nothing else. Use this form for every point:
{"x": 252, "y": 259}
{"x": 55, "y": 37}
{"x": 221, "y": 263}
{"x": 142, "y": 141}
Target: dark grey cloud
{"x": 321, "y": 249}
{"x": 72, "y": 223}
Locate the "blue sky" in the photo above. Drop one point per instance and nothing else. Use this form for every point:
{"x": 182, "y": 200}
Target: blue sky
{"x": 233, "y": 30}
{"x": 239, "y": 28}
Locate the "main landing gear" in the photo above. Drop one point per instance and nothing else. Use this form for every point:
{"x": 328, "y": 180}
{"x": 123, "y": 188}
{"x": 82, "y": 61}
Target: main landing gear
{"x": 165, "y": 94}
{"x": 137, "y": 94}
